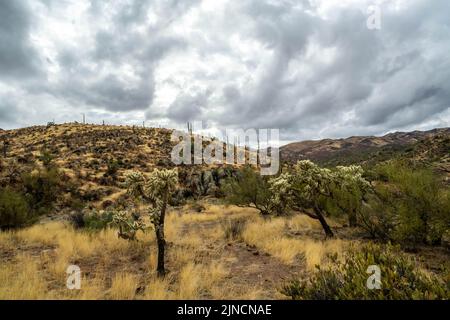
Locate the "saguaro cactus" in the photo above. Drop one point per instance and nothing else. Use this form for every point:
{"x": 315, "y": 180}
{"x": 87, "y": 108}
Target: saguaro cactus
{"x": 155, "y": 190}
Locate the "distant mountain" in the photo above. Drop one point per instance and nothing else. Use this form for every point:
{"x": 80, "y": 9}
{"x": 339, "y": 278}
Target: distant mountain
{"x": 432, "y": 146}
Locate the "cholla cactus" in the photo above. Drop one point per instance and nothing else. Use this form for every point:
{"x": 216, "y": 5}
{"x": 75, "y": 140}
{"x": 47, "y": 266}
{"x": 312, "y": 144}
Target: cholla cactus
{"x": 281, "y": 193}
{"x": 155, "y": 190}
{"x": 128, "y": 227}
{"x": 307, "y": 184}
{"x": 135, "y": 183}
{"x": 302, "y": 189}
{"x": 351, "y": 175}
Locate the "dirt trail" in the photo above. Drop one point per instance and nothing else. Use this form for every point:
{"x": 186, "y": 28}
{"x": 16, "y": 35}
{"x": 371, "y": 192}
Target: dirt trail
{"x": 248, "y": 266}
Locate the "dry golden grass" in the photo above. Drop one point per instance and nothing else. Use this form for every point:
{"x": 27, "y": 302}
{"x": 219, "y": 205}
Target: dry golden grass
{"x": 197, "y": 278}
{"x": 69, "y": 246}
{"x": 114, "y": 268}
{"x": 123, "y": 287}
{"x": 158, "y": 289}
{"x": 270, "y": 236}
{"x": 21, "y": 279}
{"x": 31, "y": 275}
{"x": 40, "y": 234}
{"x": 301, "y": 222}
{"x": 189, "y": 281}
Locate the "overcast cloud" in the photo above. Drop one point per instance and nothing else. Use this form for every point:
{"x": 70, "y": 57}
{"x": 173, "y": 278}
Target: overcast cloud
{"x": 311, "y": 68}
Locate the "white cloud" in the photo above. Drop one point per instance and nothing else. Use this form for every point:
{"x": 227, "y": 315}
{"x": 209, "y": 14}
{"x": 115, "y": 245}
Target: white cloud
{"x": 310, "y": 68}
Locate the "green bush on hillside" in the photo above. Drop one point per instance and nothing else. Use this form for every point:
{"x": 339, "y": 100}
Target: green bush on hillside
{"x": 249, "y": 189}
{"x": 42, "y": 188}
{"x": 14, "y": 210}
{"x": 400, "y": 278}
{"x": 91, "y": 221}
{"x": 410, "y": 205}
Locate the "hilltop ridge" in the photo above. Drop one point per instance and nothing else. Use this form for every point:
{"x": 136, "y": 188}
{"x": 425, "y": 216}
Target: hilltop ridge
{"x": 430, "y": 146}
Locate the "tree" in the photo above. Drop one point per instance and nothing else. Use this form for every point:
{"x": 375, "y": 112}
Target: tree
{"x": 250, "y": 189}
{"x": 303, "y": 188}
{"x": 349, "y": 190}
{"x": 155, "y": 190}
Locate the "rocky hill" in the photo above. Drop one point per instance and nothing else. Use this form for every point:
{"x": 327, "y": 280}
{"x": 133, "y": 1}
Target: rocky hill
{"x": 96, "y": 158}
{"x": 432, "y": 146}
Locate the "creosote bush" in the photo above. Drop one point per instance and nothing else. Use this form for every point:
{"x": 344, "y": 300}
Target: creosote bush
{"x": 91, "y": 221}
{"x": 401, "y": 278}
{"x": 42, "y": 188}
{"x": 14, "y": 210}
{"x": 408, "y": 205}
{"x": 249, "y": 189}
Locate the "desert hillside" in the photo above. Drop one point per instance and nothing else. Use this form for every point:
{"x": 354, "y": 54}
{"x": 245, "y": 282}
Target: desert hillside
{"x": 90, "y": 196}
{"x": 96, "y": 158}
{"x": 428, "y": 146}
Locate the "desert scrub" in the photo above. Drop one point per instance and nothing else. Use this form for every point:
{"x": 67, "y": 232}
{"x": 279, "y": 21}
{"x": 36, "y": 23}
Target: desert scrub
{"x": 14, "y": 210}
{"x": 92, "y": 221}
{"x": 233, "y": 228}
{"x": 409, "y": 206}
{"x": 346, "y": 279}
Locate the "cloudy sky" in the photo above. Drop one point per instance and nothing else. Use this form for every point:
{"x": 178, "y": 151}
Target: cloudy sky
{"x": 311, "y": 68}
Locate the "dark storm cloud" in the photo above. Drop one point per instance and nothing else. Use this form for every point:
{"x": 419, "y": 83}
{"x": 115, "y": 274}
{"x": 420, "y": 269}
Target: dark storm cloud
{"x": 187, "y": 107}
{"x": 8, "y": 111}
{"x": 369, "y": 74}
{"x": 250, "y": 63}
{"x": 278, "y": 100}
{"x": 118, "y": 45}
{"x": 17, "y": 57}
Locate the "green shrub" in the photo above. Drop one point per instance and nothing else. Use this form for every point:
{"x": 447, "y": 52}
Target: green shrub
{"x": 414, "y": 203}
{"x": 249, "y": 189}
{"x": 14, "y": 210}
{"x": 46, "y": 157}
{"x": 42, "y": 188}
{"x": 112, "y": 166}
{"x": 98, "y": 220}
{"x": 91, "y": 221}
{"x": 77, "y": 219}
{"x": 347, "y": 279}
